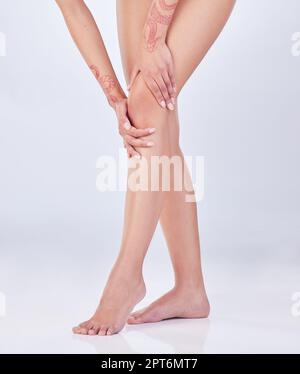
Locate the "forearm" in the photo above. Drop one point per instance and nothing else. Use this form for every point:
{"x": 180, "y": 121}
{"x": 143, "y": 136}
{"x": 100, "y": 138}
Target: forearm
{"x": 158, "y": 21}
{"x": 87, "y": 37}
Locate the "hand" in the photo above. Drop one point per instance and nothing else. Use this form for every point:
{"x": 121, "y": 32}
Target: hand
{"x": 132, "y": 136}
{"x": 157, "y": 70}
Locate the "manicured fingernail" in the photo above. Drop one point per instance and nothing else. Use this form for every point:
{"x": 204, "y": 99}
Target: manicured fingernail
{"x": 163, "y": 104}
{"x": 175, "y": 89}
{"x": 137, "y": 157}
{"x": 150, "y": 144}
{"x": 127, "y": 126}
{"x": 173, "y": 100}
{"x": 151, "y": 131}
{"x": 171, "y": 106}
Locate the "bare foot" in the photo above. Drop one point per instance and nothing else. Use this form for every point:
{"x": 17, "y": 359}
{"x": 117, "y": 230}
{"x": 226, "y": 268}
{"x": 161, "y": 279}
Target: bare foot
{"x": 120, "y": 296}
{"x": 175, "y": 304}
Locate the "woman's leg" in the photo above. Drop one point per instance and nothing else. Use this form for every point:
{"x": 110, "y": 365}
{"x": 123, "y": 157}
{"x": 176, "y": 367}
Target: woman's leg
{"x": 125, "y": 286}
{"x": 199, "y": 22}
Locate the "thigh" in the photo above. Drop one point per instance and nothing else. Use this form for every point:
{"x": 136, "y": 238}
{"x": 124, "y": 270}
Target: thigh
{"x": 195, "y": 27}
{"x": 131, "y": 16}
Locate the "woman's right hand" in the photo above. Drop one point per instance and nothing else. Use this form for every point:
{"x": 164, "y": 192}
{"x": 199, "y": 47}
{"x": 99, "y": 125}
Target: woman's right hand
{"x": 133, "y": 138}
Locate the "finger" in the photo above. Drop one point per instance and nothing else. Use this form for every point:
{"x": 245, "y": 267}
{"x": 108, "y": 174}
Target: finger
{"x": 163, "y": 89}
{"x": 138, "y": 133}
{"x": 153, "y": 87}
{"x": 132, "y": 152}
{"x": 138, "y": 142}
{"x": 134, "y": 74}
{"x": 124, "y": 123}
{"x": 169, "y": 85}
{"x": 169, "y": 88}
{"x": 171, "y": 73}
{"x": 124, "y": 127}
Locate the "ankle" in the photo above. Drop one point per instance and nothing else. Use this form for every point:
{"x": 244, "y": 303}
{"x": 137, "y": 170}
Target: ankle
{"x": 128, "y": 270}
{"x": 190, "y": 287}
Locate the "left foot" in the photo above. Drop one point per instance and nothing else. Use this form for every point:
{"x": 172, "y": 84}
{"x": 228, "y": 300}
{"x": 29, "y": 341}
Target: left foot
{"x": 175, "y": 304}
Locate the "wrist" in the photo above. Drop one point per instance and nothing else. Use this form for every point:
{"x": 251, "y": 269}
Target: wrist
{"x": 115, "y": 97}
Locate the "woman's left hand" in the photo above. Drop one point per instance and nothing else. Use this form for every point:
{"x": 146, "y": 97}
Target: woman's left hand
{"x": 156, "y": 67}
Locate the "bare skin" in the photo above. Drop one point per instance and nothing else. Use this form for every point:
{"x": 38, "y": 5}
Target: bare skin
{"x": 177, "y": 303}
{"x": 119, "y": 297}
{"x": 88, "y": 39}
{"x": 154, "y": 59}
{"x": 199, "y": 22}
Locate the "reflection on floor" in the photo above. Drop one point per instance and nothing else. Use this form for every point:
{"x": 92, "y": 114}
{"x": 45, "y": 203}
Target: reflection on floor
{"x": 174, "y": 336}
{"x": 253, "y": 310}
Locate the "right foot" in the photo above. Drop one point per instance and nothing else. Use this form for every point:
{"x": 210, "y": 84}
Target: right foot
{"x": 175, "y": 304}
{"x": 120, "y": 296}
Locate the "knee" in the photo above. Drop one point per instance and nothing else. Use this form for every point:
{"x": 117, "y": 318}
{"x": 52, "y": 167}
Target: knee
{"x": 70, "y": 5}
{"x": 143, "y": 109}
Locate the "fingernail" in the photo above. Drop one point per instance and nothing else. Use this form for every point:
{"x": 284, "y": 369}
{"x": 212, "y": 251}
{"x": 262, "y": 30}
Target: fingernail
{"x": 151, "y": 131}
{"x": 150, "y": 144}
{"x": 163, "y": 104}
{"x": 127, "y": 126}
{"x": 174, "y": 88}
{"x": 173, "y": 100}
{"x": 137, "y": 157}
{"x": 171, "y": 106}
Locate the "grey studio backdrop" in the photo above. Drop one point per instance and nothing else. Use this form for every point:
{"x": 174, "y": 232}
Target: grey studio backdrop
{"x": 240, "y": 110}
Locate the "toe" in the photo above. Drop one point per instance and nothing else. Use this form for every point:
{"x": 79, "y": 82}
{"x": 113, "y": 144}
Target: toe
{"x": 83, "y": 331}
{"x": 102, "y": 331}
{"x": 134, "y": 320}
{"x": 82, "y": 328}
{"x": 148, "y": 316}
{"x": 137, "y": 317}
{"x": 95, "y": 330}
{"x": 137, "y": 313}
{"x": 76, "y": 330}
{"x": 111, "y": 331}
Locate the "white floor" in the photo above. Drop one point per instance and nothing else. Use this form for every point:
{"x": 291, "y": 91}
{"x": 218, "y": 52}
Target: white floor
{"x": 45, "y": 294}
